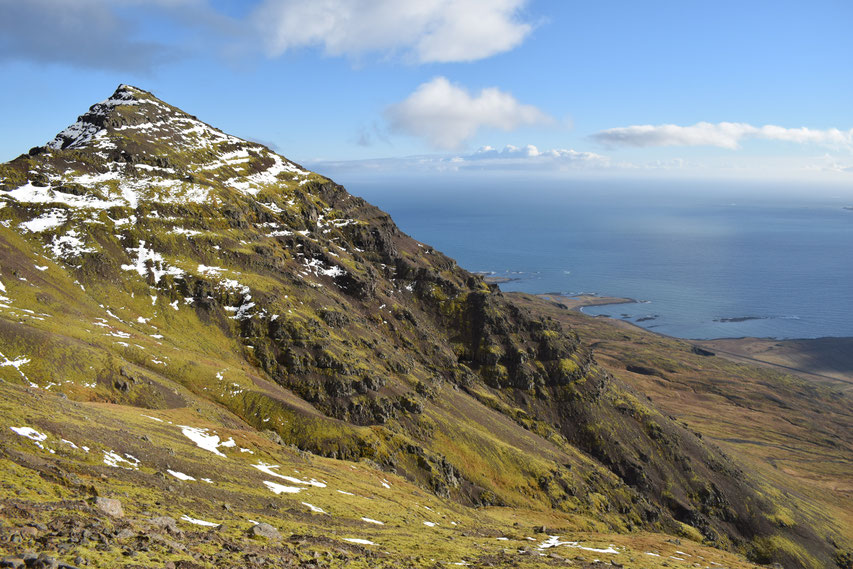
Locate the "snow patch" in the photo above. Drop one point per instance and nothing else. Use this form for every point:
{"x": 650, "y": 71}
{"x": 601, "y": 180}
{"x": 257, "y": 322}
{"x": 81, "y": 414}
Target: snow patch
{"x": 198, "y": 522}
{"x": 68, "y": 246}
{"x": 29, "y": 193}
{"x": 267, "y": 469}
{"x": 16, "y": 363}
{"x": 115, "y": 460}
{"x": 49, "y": 220}
{"x": 202, "y": 439}
{"x": 158, "y": 267}
{"x": 180, "y": 475}
{"x": 554, "y": 541}
{"x": 359, "y": 541}
{"x": 30, "y": 433}
{"x": 281, "y": 489}
{"x": 185, "y": 231}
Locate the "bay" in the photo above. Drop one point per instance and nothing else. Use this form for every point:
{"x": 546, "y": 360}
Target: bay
{"x": 704, "y": 260}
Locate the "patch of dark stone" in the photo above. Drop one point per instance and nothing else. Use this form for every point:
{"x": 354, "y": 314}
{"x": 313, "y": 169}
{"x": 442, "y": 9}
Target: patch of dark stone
{"x": 32, "y": 560}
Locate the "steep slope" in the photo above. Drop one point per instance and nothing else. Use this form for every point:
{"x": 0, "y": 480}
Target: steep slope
{"x": 149, "y": 260}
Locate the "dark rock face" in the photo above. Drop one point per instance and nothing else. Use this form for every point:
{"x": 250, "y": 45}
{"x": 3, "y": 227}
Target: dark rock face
{"x": 702, "y": 351}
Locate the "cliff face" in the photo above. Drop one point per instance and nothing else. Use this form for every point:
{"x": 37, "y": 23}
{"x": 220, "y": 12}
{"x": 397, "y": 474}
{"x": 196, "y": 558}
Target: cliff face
{"x": 149, "y": 260}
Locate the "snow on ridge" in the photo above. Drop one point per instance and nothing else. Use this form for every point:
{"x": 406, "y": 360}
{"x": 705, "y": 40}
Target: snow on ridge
{"x": 48, "y": 220}
{"x": 82, "y": 131}
{"x": 318, "y": 268}
{"x": 29, "y": 193}
{"x": 74, "y": 136}
{"x": 201, "y": 135}
{"x": 20, "y": 360}
{"x": 252, "y": 183}
{"x": 129, "y": 191}
{"x": 232, "y": 284}
{"x": 228, "y": 159}
{"x": 158, "y": 269}
{"x": 33, "y": 435}
{"x": 69, "y": 245}
{"x": 242, "y": 311}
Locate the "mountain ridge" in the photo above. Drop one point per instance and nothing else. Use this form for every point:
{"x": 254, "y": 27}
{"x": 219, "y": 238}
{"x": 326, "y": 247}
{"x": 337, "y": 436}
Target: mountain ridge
{"x": 200, "y": 256}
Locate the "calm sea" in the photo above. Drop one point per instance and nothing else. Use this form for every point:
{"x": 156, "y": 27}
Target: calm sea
{"x": 703, "y": 261}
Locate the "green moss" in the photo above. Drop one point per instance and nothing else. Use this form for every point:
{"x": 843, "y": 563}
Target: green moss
{"x": 782, "y": 517}
{"x": 568, "y": 367}
{"x": 689, "y": 532}
{"x": 765, "y": 550}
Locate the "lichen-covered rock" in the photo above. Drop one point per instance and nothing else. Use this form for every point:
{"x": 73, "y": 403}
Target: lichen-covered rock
{"x": 265, "y": 531}
{"x": 109, "y": 506}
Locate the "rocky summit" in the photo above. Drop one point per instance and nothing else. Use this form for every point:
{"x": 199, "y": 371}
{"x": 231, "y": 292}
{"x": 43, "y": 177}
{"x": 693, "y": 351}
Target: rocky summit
{"x": 213, "y": 357}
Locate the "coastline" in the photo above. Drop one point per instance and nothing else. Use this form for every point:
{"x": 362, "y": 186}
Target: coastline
{"x": 578, "y": 302}
{"x": 820, "y": 359}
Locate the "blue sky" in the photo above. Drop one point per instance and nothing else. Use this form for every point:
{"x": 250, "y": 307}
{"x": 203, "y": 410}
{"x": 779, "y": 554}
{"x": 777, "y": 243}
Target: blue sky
{"x": 360, "y": 88}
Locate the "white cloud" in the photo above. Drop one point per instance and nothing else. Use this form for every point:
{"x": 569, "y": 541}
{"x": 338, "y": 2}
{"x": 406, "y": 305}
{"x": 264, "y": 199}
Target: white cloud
{"x": 511, "y": 158}
{"x": 447, "y": 115}
{"x": 426, "y": 30}
{"x": 723, "y": 135}
{"x": 530, "y": 156}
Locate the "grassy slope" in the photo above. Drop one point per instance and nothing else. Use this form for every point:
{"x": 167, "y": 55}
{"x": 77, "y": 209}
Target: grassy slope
{"x": 54, "y": 488}
{"x": 99, "y": 369}
{"x": 795, "y": 434}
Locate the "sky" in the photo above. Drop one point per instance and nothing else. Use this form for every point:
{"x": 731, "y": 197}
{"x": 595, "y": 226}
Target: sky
{"x": 366, "y": 89}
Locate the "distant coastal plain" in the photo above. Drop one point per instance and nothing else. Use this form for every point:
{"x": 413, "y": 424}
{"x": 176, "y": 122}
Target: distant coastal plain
{"x": 826, "y": 360}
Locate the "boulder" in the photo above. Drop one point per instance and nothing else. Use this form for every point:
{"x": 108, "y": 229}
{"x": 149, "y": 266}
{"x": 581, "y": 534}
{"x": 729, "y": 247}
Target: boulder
{"x": 109, "y": 506}
{"x": 265, "y": 531}
{"x": 167, "y": 523}
{"x": 12, "y": 561}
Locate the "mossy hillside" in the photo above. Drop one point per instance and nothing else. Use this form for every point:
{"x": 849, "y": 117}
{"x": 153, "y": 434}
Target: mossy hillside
{"x": 216, "y": 281}
{"x": 190, "y": 355}
{"x": 787, "y": 433}
{"x": 184, "y": 373}
{"x": 56, "y": 489}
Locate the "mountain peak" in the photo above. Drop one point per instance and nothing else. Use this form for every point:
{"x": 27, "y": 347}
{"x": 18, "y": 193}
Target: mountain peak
{"x": 133, "y": 147}
{"x": 127, "y": 105}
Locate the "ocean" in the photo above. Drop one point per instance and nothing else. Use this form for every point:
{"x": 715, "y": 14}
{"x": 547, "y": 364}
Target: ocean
{"x": 703, "y": 260}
